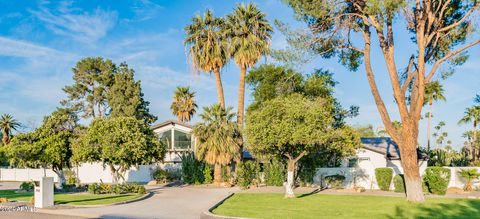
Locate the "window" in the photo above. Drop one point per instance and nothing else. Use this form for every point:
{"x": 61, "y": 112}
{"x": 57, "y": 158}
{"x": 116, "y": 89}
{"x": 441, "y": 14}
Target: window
{"x": 182, "y": 140}
{"x": 166, "y": 138}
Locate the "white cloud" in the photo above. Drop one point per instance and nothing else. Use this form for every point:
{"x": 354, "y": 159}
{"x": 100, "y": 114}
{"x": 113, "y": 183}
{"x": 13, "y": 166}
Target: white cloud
{"x": 145, "y": 10}
{"x": 18, "y": 48}
{"x": 83, "y": 26}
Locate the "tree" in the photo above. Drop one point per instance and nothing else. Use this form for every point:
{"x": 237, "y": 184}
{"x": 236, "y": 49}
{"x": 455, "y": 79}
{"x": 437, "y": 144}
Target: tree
{"x": 440, "y": 30}
{"x": 207, "y": 47}
{"x": 183, "y": 104}
{"x": 7, "y": 124}
{"x": 92, "y": 76}
{"x": 439, "y": 134}
{"x": 293, "y": 126}
{"x": 469, "y": 175}
{"x": 471, "y": 115}
{"x": 366, "y": 131}
{"x": 49, "y": 146}
{"x": 218, "y": 138}
{"x": 249, "y": 36}
{"x": 433, "y": 92}
{"x": 125, "y": 96}
{"x": 119, "y": 143}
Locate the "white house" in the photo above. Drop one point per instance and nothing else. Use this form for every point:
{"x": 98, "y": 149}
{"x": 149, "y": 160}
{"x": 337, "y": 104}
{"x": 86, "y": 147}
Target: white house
{"x": 178, "y": 138}
{"x": 359, "y": 170}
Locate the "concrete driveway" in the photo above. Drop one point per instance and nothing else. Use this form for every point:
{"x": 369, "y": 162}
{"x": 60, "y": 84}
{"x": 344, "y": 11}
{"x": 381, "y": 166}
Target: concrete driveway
{"x": 167, "y": 202}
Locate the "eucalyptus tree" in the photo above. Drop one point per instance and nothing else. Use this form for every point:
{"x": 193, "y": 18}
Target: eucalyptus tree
{"x": 7, "y": 125}
{"x": 249, "y": 35}
{"x": 441, "y": 32}
{"x": 433, "y": 92}
{"x": 218, "y": 138}
{"x": 183, "y": 105}
{"x": 92, "y": 77}
{"x": 207, "y": 47}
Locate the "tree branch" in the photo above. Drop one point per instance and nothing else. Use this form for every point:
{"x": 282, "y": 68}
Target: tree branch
{"x": 451, "y": 26}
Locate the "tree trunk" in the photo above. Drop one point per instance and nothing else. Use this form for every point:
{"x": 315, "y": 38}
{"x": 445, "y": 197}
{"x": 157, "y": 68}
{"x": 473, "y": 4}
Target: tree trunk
{"x": 114, "y": 173}
{"x": 61, "y": 178}
{"x": 241, "y": 95}
{"x": 474, "y": 138}
{"x": 217, "y": 174}
{"x": 290, "y": 179}
{"x": 413, "y": 181}
{"x": 218, "y": 81}
{"x": 429, "y": 126}
{"x": 4, "y": 137}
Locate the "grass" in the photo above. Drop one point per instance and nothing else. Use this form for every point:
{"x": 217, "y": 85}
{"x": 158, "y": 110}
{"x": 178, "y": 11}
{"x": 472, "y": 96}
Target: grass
{"x": 268, "y": 205}
{"x": 74, "y": 198}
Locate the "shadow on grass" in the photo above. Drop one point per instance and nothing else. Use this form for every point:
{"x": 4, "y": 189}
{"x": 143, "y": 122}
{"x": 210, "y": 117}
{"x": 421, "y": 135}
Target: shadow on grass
{"x": 461, "y": 208}
{"x": 90, "y": 199}
{"x": 310, "y": 193}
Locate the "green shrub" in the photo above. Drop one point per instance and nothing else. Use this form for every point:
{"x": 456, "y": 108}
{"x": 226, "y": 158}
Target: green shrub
{"x": 436, "y": 179}
{"x": 94, "y": 188}
{"x": 384, "y": 177}
{"x": 274, "y": 173}
{"x": 160, "y": 175}
{"x": 70, "y": 176}
{"x": 335, "y": 181}
{"x": 399, "y": 183}
{"x": 124, "y": 188}
{"x": 192, "y": 169}
{"x": 246, "y": 173}
{"x": 207, "y": 174}
{"x": 27, "y": 186}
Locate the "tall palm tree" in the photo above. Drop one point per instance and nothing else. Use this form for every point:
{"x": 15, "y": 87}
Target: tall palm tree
{"x": 249, "y": 35}
{"x": 471, "y": 115}
{"x": 207, "y": 47}
{"x": 183, "y": 104}
{"x": 7, "y": 124}
{"x": 218, "y": 138}
{"x": 433, "y": 92}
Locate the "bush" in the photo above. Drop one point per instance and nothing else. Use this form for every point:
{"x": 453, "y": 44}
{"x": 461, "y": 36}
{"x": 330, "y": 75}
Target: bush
{"x": 246, "y": 173}
{"x": 436, "y": 179}
{"x": 124, "y": 188}
{"x": 399, "y": 183}
{"x": 27, "y": 186}
{"x": 192, "y": 169}
{"x": 94, "y": 188}
{"x": 207, "y": 174}
{"x": 384, "y": 177}
{"x": 70, "y": 177}
{"x": 274, "y": 173}
{"x": 335, "y": 181}
{"x": 160, "y": 175}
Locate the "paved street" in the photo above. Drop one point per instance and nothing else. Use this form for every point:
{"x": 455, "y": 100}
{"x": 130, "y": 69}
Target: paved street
{"x": 168, "y": 203}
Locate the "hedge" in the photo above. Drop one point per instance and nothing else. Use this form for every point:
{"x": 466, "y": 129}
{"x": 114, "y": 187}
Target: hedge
{"x": 384, "y": 177}
{"x": 436, "y": 179}
{"x": 399, "y": 183}
{"x": 335, "y": 181}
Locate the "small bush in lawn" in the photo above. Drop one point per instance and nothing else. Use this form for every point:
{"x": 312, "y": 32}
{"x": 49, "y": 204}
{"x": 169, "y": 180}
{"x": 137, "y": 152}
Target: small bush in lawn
{"x": 335, "y": 181}
{"x": 399, "y": 183}
{"x": 247, "y": 172}
{"x": 436, "y": 179}
{"x": 274, "y": 173}
{"x": 27, "y": 186}
{"x": 207, "y": 174}
{"x": 384, "y": 177}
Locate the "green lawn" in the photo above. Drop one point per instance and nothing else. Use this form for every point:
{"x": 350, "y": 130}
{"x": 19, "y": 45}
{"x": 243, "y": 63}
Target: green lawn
{"x": 75, "y": 199}
{"x": 344, "y": 206}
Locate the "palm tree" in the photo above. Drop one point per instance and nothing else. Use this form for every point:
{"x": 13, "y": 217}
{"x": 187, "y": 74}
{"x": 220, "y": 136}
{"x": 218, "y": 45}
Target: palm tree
{"x": 218, "y": 138}
{"x": 433, "y": 92}
{"x": 469, "y": 175}
{"x": 207, "y": 47}
{"x": 249, "y": 34}
{"x": 183, "y": 104}
{"x": 472, "y": 115}
{"x": 7, "y": 124}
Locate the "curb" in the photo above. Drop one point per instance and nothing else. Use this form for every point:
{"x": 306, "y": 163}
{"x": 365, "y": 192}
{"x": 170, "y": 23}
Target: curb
{"x": 209, "y": 215}
{"x": 145, "y": 196}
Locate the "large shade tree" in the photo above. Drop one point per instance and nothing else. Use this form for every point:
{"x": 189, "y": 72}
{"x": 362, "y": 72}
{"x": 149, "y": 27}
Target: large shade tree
{"x": 218, "y": 138}
{"x": 183, "y": 105}
{"x": 249, "y": 39}
{"x": 441, "y": 31}
{"x": 7, "y": 125}
{"x": 433, "y": 92}
{"x": 207, "y": 47}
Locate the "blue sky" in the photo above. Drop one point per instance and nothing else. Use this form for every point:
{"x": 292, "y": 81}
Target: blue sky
{"x": 40, "y": 41}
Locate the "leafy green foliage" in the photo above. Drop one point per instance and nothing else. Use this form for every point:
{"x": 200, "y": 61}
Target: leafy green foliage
{"x": 399, "y": 183}
{"x": 274, "y": 173}
{"x": 246, "y": 173}
{"x": 124, "y": 188}
{"x": 335, "y": 181}
{"x": 27, "y": 186}
{"x": 469, "y": 175}
{"x": 437, "y": 179}
{"x": 192, "y": 169}
{"x": 207, "y": 174}
{"x": 384, "y": 177}
{"x": 160, "y": 175}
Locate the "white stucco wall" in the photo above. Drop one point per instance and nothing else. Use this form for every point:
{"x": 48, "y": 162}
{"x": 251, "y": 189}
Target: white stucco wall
{"x": 25, "y": 174}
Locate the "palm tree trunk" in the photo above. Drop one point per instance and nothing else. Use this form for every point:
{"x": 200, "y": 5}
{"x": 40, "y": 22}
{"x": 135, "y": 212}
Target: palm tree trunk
{"x": 429, "y": 126}
{"x": 4, "y": 137}
{"x": 474, "y": 138}
{"x": 218, "y": 80}
{"x": 241, "y": 95}
{"x": 217, "y": 174}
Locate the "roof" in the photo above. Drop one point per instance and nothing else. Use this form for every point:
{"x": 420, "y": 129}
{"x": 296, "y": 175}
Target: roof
{"x": 170, "y": 122}
{"x": 387, "y": 147}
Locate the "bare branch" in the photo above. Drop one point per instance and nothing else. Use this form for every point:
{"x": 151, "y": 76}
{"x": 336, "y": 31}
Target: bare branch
{"x": 409, "y": 75}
